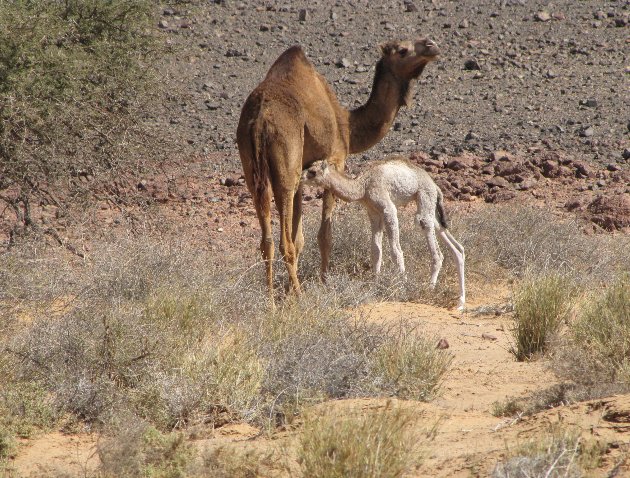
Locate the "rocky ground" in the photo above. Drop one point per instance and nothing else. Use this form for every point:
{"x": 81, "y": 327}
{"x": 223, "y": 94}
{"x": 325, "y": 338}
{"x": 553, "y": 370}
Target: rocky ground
{"x": 514, "y": 75}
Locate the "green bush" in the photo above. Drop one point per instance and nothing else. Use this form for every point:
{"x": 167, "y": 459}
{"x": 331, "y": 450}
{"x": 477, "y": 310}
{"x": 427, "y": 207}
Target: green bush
{"x": 541, "y": 305}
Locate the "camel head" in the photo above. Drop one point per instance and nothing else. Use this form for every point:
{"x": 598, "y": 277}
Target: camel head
{"x": 316, "y": 173}
{"x": 406, "y": 59}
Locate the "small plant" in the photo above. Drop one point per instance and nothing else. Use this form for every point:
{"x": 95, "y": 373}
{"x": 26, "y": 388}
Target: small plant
{"x": 412, "y": 365}
{"x": 540, "y": 306}
{"x": 559, "y": 453}
{"x": 599, "y": 346}
{"x": 140, "y": 450}
{"x": 376, "y": 443}
{"x": 507, "y": 408}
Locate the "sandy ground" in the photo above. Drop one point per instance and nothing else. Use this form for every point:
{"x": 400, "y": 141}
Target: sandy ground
{"x": 469, "y": 439}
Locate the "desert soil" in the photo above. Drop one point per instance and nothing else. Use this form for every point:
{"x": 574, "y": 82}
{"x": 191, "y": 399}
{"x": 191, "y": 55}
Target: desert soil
{"x": 529, "y": 102}
{"x": 468, "y": 441}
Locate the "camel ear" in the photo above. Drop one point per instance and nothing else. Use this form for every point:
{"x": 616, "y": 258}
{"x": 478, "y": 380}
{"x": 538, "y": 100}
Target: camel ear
{"x": 388, "y": 48}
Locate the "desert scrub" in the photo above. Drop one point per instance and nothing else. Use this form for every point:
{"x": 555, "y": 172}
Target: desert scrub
{"x": 149, "y": 330}
{"x": 366, "y": 444}
{"x": 598, "y": 349}
{"x": 521, "y": 240}
{"x": 541, "y": 305}
{"x": 135, "y": 449}
{"x": 558, "y": 453}
{"x": 411, "y": 364}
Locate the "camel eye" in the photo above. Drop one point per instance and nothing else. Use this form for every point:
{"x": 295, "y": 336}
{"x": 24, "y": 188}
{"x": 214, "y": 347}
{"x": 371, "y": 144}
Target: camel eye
{"x": 403, "y": 51}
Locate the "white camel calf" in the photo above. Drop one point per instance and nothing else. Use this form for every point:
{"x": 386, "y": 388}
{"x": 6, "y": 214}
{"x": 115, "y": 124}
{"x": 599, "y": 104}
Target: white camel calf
{"x": 380, "y": 189}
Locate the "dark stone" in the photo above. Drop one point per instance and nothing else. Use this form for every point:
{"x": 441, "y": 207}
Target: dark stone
{"x": 472, "y": 64}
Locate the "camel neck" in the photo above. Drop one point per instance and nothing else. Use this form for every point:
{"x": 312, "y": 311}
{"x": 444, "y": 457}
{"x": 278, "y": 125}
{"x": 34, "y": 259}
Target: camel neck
{"x": 344, "y": 187}
{"x": 370, "y": 122}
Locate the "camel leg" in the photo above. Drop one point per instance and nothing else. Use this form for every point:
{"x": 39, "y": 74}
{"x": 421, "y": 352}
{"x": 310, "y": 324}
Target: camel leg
{"x": 458, "y": 253}
{"x": 324, "y": 236}
{"x": 263, "y": 210}
{"x": 284, "y": 203}
{"x": 390, "y": 217}
{"x": 376, "y": 223}
{"x": 297, "y": 234}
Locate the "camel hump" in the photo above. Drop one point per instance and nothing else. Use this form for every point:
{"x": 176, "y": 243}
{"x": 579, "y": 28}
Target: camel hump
{"x": 289, "y": 64}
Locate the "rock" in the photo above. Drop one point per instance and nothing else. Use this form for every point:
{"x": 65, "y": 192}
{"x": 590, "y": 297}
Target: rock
{"x": 612, "y": 167}
{"x": 333, "y": 16}
{"x": 464, "y": 23}
{"x": 626, "y": 154}
{"x": 343, "y": 63}
{"x": 303, "y": 15}
{"x": 621, "y": 22}
{"x": 265, "y": 28}
{"x": 574, "y": 204}
{"x": 442, "y": 344}
{"x": 457, "y": 164}
{"x": 542, "y": 16}
{"x": 583, "y": 170}
{"x": 410, "y": 7}
{"x": 212, "y": 105}
{"x": 471, "y": 64}
{"x": 586, "y": 131}
{"x": 500, "y": 155}
{"x": 551, "y": 74}
{"x": 471, "y": 136}
{"x": 498, "y": 181}
{"x": 229, "y": 181}
{"x": 611, "y": 211}
{"x": 163, "y": 24}
{"x": 487, "y": 336}
{"x": 599, "y": 15}
{"x": 550, "y": 169}
{"x": 527, "y": 184}
{"x": 591, "y": 103}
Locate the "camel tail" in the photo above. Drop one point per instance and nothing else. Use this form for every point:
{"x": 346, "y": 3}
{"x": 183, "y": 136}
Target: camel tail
{"x": 260, "y": 165}
{"x": 439, "y": 211}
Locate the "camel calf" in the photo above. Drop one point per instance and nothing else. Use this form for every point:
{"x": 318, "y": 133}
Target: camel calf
{"x": 380, "y": 189}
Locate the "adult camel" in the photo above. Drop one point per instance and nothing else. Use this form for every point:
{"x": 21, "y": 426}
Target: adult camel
{"x": 293, "y": 118}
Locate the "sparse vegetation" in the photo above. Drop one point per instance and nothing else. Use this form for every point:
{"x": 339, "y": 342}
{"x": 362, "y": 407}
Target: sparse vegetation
{"x": 375, "y": 443}
{"x": 559, "y": 453}
{"x": 541, "y": 305}
{"x": 407, "y": 357}
{"x": 596, "y": 355}
{"x": 147, "y": 332}
{"x": 139, "y": 450}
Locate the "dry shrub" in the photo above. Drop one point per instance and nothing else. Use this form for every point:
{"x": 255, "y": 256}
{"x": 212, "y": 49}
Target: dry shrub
{"x": 150, "y": 330}
{"x": 412, "y": 365}
{"x": 541, "y": 304}
{"x": 521, "y": 239}
{"x": 135, "y": 449}
{"x": 598, "y": 349}
{"x": 377, "y": 443}
{"x": 558, "y": 453}
{"x": 242, "y": 462}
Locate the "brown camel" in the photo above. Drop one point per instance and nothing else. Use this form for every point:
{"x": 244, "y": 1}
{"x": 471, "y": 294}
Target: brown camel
{"x": 293, "y": 118}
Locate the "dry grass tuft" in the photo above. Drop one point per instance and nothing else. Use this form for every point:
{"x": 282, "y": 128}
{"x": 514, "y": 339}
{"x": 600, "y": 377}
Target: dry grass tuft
{"x": 559, "y": 453}
{"x": 596, "y": 354}
{"x": 412, "y": 365}
{"x": 541, "y": 305}
{"x": 378, "y": 443}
